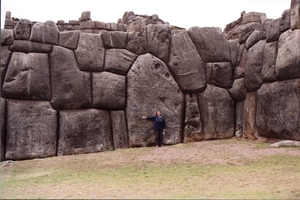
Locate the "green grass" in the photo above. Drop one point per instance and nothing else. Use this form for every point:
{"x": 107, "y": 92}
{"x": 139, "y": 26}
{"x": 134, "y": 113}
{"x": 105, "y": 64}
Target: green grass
{"x": 271, "y": 177}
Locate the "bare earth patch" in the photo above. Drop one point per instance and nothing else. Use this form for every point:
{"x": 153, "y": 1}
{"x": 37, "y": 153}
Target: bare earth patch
{"x": 207, "y": 169}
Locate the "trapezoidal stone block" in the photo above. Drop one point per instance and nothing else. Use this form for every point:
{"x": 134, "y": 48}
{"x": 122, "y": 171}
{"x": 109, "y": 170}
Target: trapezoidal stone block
{"x": 84, "y": 131}
{"x": 151, "y": 87}
{"x": 31, "y": 130}
{"x": 46, "y": 32}
{"x": 27, "y": 77}
{"x": 71, "y": 88}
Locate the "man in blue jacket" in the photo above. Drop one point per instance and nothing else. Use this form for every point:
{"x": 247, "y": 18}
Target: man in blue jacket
{"x": 159, "y": 127}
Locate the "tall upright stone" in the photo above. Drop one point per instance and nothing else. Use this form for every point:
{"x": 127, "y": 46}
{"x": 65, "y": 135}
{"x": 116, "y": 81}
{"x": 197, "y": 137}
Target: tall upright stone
{"x": 295, "y": 14}
{"x": 150, "y": 87}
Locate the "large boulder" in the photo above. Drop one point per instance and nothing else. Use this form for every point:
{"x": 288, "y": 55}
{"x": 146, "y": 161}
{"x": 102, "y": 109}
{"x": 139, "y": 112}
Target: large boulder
{"x": 254, "y": 64}
{"x": 254, "y": 38}
{"x": 118, "y": 61}
{"x": 247, "y": 29}
{"x": 22, "y": 30}
{"x": 27, "y": 77}
{"x": 219, "y": 74}
{"x": 109, "y": 91}
{"x": 84, "y": 131}
{"x": 285, "y": 20}
{"x": 269, "y": 60}
{"x": 69, "y": 39}
{"x": 71, "y": 88}
{"x": 31, "y": 130}
{"x": 90, "y": 52}
{"x": 238, "y": 90}
{"x": 45, "y": 32}
{"x": 150, "y": 87}
{"x": 234, "y": 51}
{"x": 159, "y": 37}
{"x": 28, "y": 46}
{"x": 137, "y": 36}
{"x": 119, "y": 129}
{"x": 211, "y": 44}
{"x": 192, "y": 123}
{"x": 273, "y": 30}
{"x": 278, "y": 110}
{"x": 186, "y": 64}
{"x": 239, "y": 70}
{"x": 295, "y": 14}
{"x": 288, "y": 57}
{"x": 217, "y": 113}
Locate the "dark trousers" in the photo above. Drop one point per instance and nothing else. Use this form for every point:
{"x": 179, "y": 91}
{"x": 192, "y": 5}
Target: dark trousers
{"x": 159, "y": 137}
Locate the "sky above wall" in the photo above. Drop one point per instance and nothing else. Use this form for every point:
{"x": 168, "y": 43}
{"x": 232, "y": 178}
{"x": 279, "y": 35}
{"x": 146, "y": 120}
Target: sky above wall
{"x": 182, "y": 13}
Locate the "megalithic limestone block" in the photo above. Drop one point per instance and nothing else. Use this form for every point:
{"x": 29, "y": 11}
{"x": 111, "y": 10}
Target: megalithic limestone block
{"x": 217, "y": 113}
{"x": 278, "y": 106}
{"x": 84, "y": 131}
{"x": 5, "y": 55}
{"x": 185, "y": 63}
{"x": 219, "y": 74}
{"x": 295, "y": 14}
{"x": 22, "y": 29}
{"x": 119, "y": 129}
{"x": 71, "y": 88}
{"x": 269, "y": 61}
{"x": 31, "y": 130}
{"x": 45, "y": 32}
{"x": 150, "y": 87}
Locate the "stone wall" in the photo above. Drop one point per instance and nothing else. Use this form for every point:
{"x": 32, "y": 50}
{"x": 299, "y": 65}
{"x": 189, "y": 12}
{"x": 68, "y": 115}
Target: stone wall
{"x": 71, "y": 88}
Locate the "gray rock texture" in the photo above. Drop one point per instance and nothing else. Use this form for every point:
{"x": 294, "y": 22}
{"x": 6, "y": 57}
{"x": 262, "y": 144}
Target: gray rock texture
{"x": 186, "y": 64}
{"x": 31, "y": 130}
{"x": 84, "y": 131}
{"x": 45, "y": 32}
{"x": 150, "y": 87}
{"x": 119, "y": 129}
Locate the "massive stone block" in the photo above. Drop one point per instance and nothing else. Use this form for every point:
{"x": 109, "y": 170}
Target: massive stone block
{"x": 238, "y": 91}
{"x": 150, "y": 86}
{"x": 115, "y": 39}
{"x": 295, "y": 14}
{"x": 239, "y": 119}
{"x": 210, "y": 43}
{"x": 118, "y": 61}
{"x": 69, "y": 39}
{"x": 234, "y": 51}
{"x": 22, "y": 29}
{"x": 217, "y": 113}
{"x": 45, "y": 32}
{"x": 119, "y": 129}
{"x": 192, "y": 123}
{"x": 247, "y": 29}
{"x": 270, "y": 55}
{"x": 109, "y": 91}
{"x": 253, "y": 17}
{"x": 273, "y": 30}
{"x": 249, "y": 116}
{"x": 219, "y": 74}
{"x": 137, "y": 37}
{"x": 71, "y": 88}
{"x": 253, "y": 75}
{"x": 7, "y": 37}
{"x": 84, "y": 131}
{"x": 239, "y": 71}
{"x": 285, "y": 20}
{"x": 278, "y": 110}
{"x": 159, "y": 37}
{"x": 28, "y": 46}
{"x": 5, "y": 55}
{"x": 186, "y": 64}
{"x": 27, "y": 77}
{"x": 90, "y": 52}
{"x": 288, "y": 57}
{"x": 254, "y": 38}
{"x": 31, "y": 130}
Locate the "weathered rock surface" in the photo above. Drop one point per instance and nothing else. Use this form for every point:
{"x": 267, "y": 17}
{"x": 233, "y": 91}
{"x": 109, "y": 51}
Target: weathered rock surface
{"x": 234, "y": 51}
{"x": 84, "y": 131}
{"x": 217, "y": 113}
{"x": 27, "y": 77}
{"x": 253, "y": 38}
{"x": 285, "y": 20}
{"x": 238, "y": 90}
{"x": 288, "y": 57}
{"x": 45, "y": 32}
{"x": 69, "y": 39}
{"x": 278, "y": 107}
{"x": 204, "y": 40}
{"x": 5, "y": 55}
{"x": 269, "y": 60}
{"x": 273, "y": 30}
{"x": 22, "y": 30}
{"x": 249, "y": 114}
{"x": 254, "y": 64}
{"x": 247, "y": 29}
{"x": 159, "y": 37}
{"x": 7, "y": 37}
{"x": 28, "y": 47}
{"x": 2, "y": 127}
{"x": 239, "y": 119}
{"x": 71, "y": 88}
{"x": 90, "y": 52}
{"x": 192, "y": 123}
{"x": 31, "y": 130}
{"x": 219, "y": 74}
{"x": 295, "y": 14}
{"x": 118, "y": 61}
{"x": 115, "y": 39}
{"x": 137, "y": 37}
{"x": 119, "y": 129}
{"x": 150, "y": 87}
{"x": 109, "y": 91}
{"x": 253, "y": 17}
{"x": 239, "y": 71}
{"x": 186, "y": 64}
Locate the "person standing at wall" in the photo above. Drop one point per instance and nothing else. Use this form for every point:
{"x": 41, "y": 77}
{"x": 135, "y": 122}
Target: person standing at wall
{"x": 159, "y": 127}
